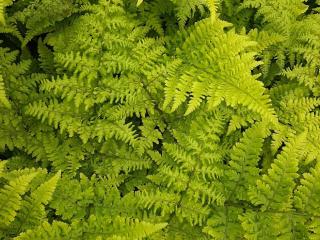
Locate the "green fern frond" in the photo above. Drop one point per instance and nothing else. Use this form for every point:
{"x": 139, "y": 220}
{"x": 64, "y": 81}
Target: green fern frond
{"x": 139, "y": 2}
{"x": 305, "y": 197}
{"x": 314, "y": 229}
{"x": 45, "y": 57}
{"x": 95, "y": 227}
{"x": 274, "y": 190}
{"x": 257, "y": 225}
{"x": 3, "y": 5}
{"x": 10, "y": 197}
{"x": 2, "y": 167}
{"x": 55, "y": 231}
{"x": 242, "y": 118}
{"x": 213, "y": 81}
{"x": 187, "y": 9}
{"x": 264, "y": 39}
{"x": 245, "y": 156}
{"x": 224, "y": 224}
{"x": 32, "y": 210}
{"x": 3, "y": 99}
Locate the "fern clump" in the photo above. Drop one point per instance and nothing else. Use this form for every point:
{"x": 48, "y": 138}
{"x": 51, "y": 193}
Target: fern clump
{"x": 159, "y": 119}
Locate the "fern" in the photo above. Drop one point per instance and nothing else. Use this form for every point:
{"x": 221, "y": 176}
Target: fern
{"x": 125, "y": 119}
{"x": 217, "y": 84}
{"x": 244, "y": 157}
{"x": 11, "y": 193}
{"x": 305, "y": 195}
{"x": 274, "y": 190}
{"x": 3, "y": 99}
{"x": 58, "y": 230}
{"x": 187, "y": 9}
{"x": 94, "y": 228}
{"x": 32, "y": 210}
{"x": 3, "y": 5}
{"x": 20, "y": 209}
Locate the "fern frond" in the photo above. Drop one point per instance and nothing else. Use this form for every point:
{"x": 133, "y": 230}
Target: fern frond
{"x": 2, "y": 167}
{"x": 39, "y": 17}
{"x": 3, "y": 5}
{"x": 305, "y": 197}
{"x": 187, "y": 9}
{"x": 224, "y": 224}
{"x": 314, "y": 229}
{"x": 242, "y": 118}
{"x": 274, "y": 190}
{"x": 208, "y": 77}
{"x": 45, "y": 57}
{"x": 95, "y": 227}
{"x": 265, "y": 225}
{"x": 54, "y": 113}
{"x": 32, "y": 210}
{"x": 10, "y": 197}
{"x": 264, "y": 39}
{"x": 55, "y": 231}
{"x": 162, "y": 202}
{"x": 3, "y": 99}
{"x": 193, "y": 213}
{"x": 244, "y": 160}
{"x": 139, "y": 2}
{"x": 72, "y": 197}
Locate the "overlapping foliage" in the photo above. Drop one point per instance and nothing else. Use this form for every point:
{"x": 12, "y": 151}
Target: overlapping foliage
{"x": 159, "y": 119}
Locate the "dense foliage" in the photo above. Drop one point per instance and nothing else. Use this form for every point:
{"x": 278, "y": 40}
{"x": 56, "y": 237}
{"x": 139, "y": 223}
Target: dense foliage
{"x": 159, "y": 119}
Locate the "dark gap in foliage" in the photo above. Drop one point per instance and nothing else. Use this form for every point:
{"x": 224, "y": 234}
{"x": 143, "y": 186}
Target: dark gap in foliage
{"x": 9, "y": 41}
{"x": 266, "y": 156}
{"x": 312, "y": 4}
{"x": 158, "y": 146}
{"x": 7, "y": 154}
{"x": 52, "y": 215}
{"x": 32, "y": 45}
{"x": 136, "y": 121}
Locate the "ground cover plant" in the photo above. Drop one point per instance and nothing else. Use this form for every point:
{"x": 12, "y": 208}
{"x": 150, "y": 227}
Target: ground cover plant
{"x": 159, "y": 119}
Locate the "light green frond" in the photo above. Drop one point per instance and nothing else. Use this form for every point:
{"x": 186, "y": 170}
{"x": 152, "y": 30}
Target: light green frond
{"x": 139, "y": 2}
{"x": 44, "y": 192}
{"x": 314, "y": 229}
{"x": 264, "y": 225}
{"x": 188, "y": 8}
{"x": 158, "y": 201}
{"x": 305, "y": 197}
{"x": 3, "y": 98}
{"x": 10, "y": 197}
{"x": 264, "y": 39}
{"x": 194, "y": 213}
{"x": 33, "y": 207}
{"x": 45, "y": 57}
{"x": 3, "y": 5}
{"x": 2, "y": 167}
{"x": 55, "y": 231}
{"x": 217, "y": 76}
{"x": 224, "y": 224}
{"x": 274, "y": 189}
{"x": 245, "y": 156}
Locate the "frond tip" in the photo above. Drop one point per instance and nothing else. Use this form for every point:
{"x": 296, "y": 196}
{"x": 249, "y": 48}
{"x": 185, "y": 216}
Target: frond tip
{"x": 139, "y": 2}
